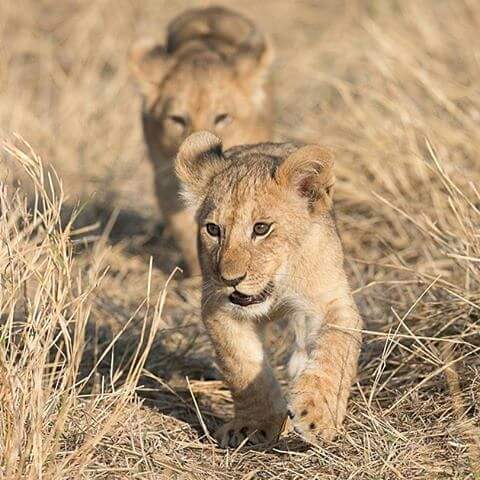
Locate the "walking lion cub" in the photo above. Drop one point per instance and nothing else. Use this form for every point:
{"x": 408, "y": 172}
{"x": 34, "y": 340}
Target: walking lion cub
{"x": 211, "y": 74}
{"x": 268, "y": 247}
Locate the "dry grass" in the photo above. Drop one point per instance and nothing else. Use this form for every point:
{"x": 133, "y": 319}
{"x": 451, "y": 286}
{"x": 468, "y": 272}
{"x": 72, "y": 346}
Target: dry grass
{"x": 102, "y": 377}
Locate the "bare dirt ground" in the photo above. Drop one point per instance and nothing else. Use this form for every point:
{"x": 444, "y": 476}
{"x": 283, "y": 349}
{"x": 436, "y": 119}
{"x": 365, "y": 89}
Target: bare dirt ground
{"x": 103, "y": 376}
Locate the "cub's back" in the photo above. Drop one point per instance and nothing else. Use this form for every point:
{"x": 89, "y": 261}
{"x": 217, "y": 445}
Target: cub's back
{"x": 215, "y": 29}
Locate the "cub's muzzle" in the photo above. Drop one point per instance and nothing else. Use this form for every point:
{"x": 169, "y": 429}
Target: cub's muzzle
{"x": 243, "y": 300}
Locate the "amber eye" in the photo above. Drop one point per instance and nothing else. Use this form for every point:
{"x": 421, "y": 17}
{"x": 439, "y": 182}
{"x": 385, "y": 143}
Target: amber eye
{"x": 222, "y": 119}
{"x": 213, "y": 229}
{"x": 260, "y": 229}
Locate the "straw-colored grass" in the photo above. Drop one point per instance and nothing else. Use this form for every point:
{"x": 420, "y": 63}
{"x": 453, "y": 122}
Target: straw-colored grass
{"x": 105, "y": 369}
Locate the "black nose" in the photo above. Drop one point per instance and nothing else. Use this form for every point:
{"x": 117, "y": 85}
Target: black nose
{"x": 232, "y": 282}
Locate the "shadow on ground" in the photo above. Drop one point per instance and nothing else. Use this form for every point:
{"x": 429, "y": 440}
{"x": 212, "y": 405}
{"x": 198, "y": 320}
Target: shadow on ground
{"x": 141, "y": 235}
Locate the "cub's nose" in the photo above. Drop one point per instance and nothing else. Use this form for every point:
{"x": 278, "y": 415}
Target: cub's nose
{"x": 232, "y": 282}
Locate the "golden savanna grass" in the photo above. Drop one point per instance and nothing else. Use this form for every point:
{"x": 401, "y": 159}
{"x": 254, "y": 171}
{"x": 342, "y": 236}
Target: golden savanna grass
{"x": 105, "y": 369}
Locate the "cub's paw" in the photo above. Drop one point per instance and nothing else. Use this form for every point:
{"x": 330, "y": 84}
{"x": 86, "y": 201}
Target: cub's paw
{"x": 315, "y": 411}
{"x": 233, "y": 433}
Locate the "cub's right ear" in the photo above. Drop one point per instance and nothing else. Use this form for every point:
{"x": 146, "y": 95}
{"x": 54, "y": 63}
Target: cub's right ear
{"x": 199, "y": 158}
{"x": 149, "y": 63}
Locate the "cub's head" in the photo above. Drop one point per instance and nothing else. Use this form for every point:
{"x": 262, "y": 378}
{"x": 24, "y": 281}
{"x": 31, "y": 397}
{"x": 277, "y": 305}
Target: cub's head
{"x": 256, "y": 206}
{"x": 194, "y": 88}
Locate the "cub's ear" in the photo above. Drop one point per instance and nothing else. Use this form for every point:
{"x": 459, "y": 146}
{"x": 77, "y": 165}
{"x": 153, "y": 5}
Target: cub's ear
{"x": 310, "y": 171}
{"x": 256, "y": 56}
{"x": 253, "y": 66}
{"x": 149, "y": 63}
{"x": 199, "y": 158}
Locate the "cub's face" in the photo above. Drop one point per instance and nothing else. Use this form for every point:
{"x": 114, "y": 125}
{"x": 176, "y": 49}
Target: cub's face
{"x": 253, "y": 211}
{"x": 247, "y": 233}
{"x": 199, "y": 92}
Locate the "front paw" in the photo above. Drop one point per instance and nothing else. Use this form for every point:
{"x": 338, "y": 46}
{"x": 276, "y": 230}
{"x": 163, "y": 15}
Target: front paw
{"x": 250, "y": 431}
{"x": 316, "y": 408}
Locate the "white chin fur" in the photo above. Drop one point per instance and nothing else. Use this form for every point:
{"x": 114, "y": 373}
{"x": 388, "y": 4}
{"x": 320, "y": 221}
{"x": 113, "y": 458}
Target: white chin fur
{"x": 252, "y": 311}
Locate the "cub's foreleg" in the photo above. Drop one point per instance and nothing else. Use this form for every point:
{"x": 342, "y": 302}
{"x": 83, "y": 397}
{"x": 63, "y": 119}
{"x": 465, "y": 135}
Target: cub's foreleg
{"x": 260, "y": 409}
{"x": 323, "y": 368}
{"x": 183, "y": 228}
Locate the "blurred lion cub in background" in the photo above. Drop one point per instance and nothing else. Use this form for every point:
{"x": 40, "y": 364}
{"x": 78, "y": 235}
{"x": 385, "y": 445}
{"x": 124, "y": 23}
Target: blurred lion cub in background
{"x": 212, "y": 74}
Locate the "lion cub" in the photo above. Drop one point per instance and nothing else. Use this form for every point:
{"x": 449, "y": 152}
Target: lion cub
{"x": 211, "y": 74}
{"x": 268, "y": 247}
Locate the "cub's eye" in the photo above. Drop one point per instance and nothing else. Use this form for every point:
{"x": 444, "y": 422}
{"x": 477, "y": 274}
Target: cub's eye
{"x": 213, "y": 229}
{"x": 260, "y": 229}
{"x": 222, "y": 119}
{"x": 178, "y": 120}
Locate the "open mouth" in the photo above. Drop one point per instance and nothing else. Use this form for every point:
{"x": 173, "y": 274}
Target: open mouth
{"x": 245, "y": 300}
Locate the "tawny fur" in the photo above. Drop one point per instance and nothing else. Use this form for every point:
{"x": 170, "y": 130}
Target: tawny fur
{"x": 299, "y": 262}
{"x": 212, "y": 73}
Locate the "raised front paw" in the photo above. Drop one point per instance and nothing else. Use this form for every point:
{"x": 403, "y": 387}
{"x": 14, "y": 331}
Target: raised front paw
{"x": 250, "y": 431}
{"x": 316, "y": 408}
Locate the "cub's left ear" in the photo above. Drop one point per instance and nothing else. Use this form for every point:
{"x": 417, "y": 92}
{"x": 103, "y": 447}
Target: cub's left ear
{"x": 253, "y": 67}
{"x": 256, "y": 56}
{"x": 199, "y": 158}
{"x": 310, "y": 171}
